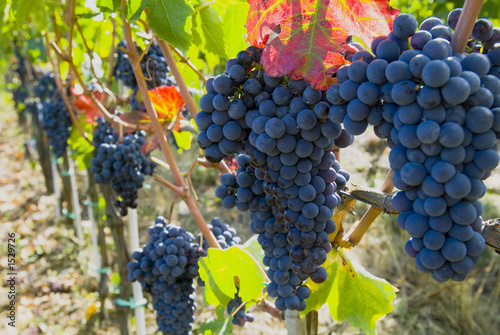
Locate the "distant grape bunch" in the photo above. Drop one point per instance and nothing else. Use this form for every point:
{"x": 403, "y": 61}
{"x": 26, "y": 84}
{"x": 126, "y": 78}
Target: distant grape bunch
{"x": 440, "y": 114}
{"x": 56, "y": 122}
{"x": 154, "y": 68}
{"x": 287, "y": 174}
{"x": 166, "y": 267}
{"x": 121, "y": 165}
{"x": 226, "y": 236}
{"x": 44, "y": 89}
{"x": 45, "y": 86}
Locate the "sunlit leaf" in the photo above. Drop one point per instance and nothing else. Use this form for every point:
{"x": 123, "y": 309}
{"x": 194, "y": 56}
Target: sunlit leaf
{"x": 183, "y": 139}
{"x": 24, "y": 8}
{"x": 208, "y": 26}
{"x": 170, "y": 20}
{"x": 352, "y": 294}
{"x": 218, "y": 270}
{"x": 108, "y": 5}
{"x": 167, "y": 101}
{"x": 253, "y": 247}
{"x": 216, "y": 326}
{"x": 234, "y": 28}
{"x": 82, "y": 151}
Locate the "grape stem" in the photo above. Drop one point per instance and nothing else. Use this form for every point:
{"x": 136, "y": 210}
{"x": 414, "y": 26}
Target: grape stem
{"x": 177, "y": 190}
{"x": 201, "y": 7}
{"x": 184, "y": 60}
{"x": 92, "y": 68}
{"x": 109, "y": 80}
{"x": 162, "y": 139}
{"x": 188, "y": 99}
{"x": 465, "y": 24}
{"x": 222, "y": 166}
{"x": 71, "y": 24}
{"x": 357, "y": 231}
{"x": 109, "y": 117}
{"x": 346, "y": 206}
{"x": 237, "y": 309}
{"x": 270, "y": 308}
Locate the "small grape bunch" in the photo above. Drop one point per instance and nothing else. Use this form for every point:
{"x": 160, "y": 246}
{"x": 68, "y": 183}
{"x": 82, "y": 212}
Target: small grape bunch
{"x": 121, "y": 165}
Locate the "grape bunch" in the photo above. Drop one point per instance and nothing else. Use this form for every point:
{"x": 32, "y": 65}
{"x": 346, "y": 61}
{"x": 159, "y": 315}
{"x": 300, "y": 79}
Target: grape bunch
{"x": 166, "y": 267}
{"x": 287, "y": 175}
{"x": 226, "y": 236}
{"x": 121, "y": 165}
{"x": 437, "y": 109}
{"x": 123, "y": 69}
{"x": 239, "y": 191}
{"x": 240, "y": 317}
{"x": 135, "y": 103}
{"x": 153, "y": 64}
{"x": 45, "y": 86}
{"x": 56, "y": 122}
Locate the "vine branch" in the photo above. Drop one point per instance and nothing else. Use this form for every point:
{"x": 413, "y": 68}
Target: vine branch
{"x": 188, "y": 99}
{"x": 186, "y": 61}
{"x": 111, "y": 73}
{"x": 178, "y": 191}
{"x": 357, "y": 231}
{"x": 62, "y": 92}
{"x": 465, "y": 24}
{"x": 162, "y": 139}
{"x": 110, "y": 117}
{"x": 92, "y": 68}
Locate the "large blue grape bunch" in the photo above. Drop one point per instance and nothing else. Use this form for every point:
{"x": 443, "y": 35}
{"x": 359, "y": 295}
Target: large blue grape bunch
{"x": 120, "y": 164}
{"x": 56, "y": 122}
{"x": 226, "y": 236}
{"x": 287, "y": 175}
{"x": 153, "y": 64}
{"x": 439, "y": 112}
{"x": 166, "y": 267}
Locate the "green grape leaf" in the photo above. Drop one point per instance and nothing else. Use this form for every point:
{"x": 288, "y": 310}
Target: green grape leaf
{"x": 207, "y": 26}
{"x": 216, "y": 326}
{"x": 108, "y": 5}
{"x": 218, "y": 270}
{"x": 24, "y": 8}
{"x": 170, "y": 19}
{"x": 183, "y": 140}
{"x": 82, "y": 150}
{"x": 352, "y": 294}
{"x": 219, "y": 311}
{"x": 133, "y": 9}
{"x": 254, "y": 248}
{"x": 234, "y": 27}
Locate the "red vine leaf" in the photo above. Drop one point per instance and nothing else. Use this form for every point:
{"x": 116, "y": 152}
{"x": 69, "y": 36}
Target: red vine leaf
{"x": 313, "y": 34}
{"x": 167, "y": 101}
{"x": 86, "y": 105}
